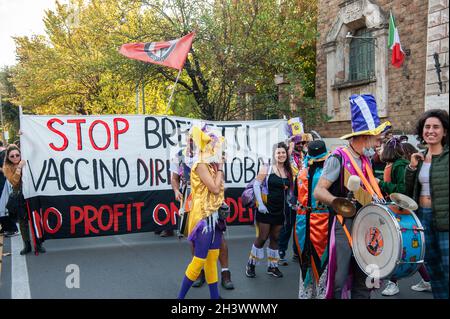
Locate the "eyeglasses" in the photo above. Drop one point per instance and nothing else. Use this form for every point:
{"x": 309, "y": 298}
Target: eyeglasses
{"x": 14, "y": 155}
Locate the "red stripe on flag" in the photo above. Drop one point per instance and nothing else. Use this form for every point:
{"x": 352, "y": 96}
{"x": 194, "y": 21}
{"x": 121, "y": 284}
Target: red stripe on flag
{"x": 31, "y": 222}
{"x": 38, "y": 224}
{"x": 397, "y": 56}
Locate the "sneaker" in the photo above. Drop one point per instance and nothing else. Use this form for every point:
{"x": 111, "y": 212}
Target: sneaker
{"x": 274, "y": 271}
{"x": 250, "y": 271}
{"x": 422, "y": 286}
{"x": 11, "y": 233}
{"x": 391, "y": 289}
{"x": 226, "y": 280}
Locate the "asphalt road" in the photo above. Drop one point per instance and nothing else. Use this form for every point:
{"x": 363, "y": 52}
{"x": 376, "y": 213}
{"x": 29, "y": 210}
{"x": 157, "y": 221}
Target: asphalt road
{"x": 141, "y": 266}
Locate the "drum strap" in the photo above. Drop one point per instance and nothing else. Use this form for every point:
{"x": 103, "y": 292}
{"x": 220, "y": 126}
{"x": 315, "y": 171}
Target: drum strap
{"x": 347, "y": 233}
{"x": 371, "y": 185}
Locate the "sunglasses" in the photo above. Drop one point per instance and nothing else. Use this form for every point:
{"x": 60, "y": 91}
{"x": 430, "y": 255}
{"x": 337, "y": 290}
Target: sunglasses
{"x": 14, "y": 155}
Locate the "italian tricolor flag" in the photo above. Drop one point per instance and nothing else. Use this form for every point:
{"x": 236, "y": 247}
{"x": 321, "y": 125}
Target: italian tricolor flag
{"x": 394, "y": 44}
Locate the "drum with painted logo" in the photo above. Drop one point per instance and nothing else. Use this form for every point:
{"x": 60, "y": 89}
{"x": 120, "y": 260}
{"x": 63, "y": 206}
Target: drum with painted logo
{"x": 388, "y": 241}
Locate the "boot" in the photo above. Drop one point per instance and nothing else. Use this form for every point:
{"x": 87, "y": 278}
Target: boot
{"x": 26, "y": 248}
{"x": 39, "y": 248}
{"x": 226, "y": 280}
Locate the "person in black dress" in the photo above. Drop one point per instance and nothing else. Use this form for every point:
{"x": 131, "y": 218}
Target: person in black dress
{"x": 272, "y": 188}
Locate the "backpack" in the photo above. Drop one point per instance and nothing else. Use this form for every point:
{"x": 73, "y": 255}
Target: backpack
{"x": 248, "y": 195}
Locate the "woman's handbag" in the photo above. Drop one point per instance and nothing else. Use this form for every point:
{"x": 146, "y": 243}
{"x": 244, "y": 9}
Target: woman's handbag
{"x": 16, "y": 205}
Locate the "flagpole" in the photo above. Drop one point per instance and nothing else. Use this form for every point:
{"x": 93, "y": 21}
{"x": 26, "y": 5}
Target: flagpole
{"x": 173, "y": 90}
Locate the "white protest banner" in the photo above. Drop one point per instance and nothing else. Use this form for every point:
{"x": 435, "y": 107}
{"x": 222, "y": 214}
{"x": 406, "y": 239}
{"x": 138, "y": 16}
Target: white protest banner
{"x": 110, "y": 174}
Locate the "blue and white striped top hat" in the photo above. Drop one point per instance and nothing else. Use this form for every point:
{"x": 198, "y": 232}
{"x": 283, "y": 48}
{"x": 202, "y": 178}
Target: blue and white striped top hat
{"x": 365, "y": 120}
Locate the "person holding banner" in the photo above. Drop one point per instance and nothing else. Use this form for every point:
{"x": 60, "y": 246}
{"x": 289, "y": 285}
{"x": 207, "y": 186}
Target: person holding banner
{"x": 8, "y": 225}
{"x": 344, "y": 275}
{"x": 12, "y": 169}
{"x": 205, "y": 227}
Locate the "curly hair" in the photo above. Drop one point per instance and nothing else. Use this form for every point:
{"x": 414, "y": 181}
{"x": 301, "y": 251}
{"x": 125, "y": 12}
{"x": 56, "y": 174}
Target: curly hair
{"x": 442, "y": 115}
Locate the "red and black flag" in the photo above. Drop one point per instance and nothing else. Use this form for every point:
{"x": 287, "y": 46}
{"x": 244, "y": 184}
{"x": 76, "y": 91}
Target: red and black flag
{"x": 169, "y": 53}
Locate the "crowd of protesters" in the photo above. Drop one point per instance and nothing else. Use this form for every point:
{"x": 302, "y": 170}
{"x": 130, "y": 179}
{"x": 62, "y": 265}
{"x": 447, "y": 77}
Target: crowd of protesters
{"x": 316, "y": 177}
{"x": 295, "y": 195}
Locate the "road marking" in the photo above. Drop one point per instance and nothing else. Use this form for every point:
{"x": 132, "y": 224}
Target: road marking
{"x": 20, "y": 285}
{"x": 123, "y": 242}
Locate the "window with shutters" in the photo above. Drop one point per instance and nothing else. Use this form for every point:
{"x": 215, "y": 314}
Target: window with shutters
{"x": 362, "y": 56}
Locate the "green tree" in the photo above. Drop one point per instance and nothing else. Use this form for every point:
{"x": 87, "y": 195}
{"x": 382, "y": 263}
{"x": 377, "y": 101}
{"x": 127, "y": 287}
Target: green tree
{"x": 239, "y": 45}
{"x": 10, "y": 111}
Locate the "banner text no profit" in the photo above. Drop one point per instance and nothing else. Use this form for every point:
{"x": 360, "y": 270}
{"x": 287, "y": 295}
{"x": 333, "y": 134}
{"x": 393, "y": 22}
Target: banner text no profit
{"x": 104, "y": 175}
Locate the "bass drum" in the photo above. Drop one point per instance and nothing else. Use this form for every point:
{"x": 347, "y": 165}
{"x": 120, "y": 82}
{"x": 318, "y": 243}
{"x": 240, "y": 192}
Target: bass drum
{"x": 388, "y": 241}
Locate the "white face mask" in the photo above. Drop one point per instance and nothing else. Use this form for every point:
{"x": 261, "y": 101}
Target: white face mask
{"x": 369, "y": 152}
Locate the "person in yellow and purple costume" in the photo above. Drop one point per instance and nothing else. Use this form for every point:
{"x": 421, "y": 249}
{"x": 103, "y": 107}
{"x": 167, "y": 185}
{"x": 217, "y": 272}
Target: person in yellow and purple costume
{"x": 205, "y": 226}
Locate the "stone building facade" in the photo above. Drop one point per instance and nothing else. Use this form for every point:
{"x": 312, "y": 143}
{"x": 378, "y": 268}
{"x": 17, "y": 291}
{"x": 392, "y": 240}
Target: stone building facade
{"x": 437, "y": 92}
{"x": 401, "y": 93}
